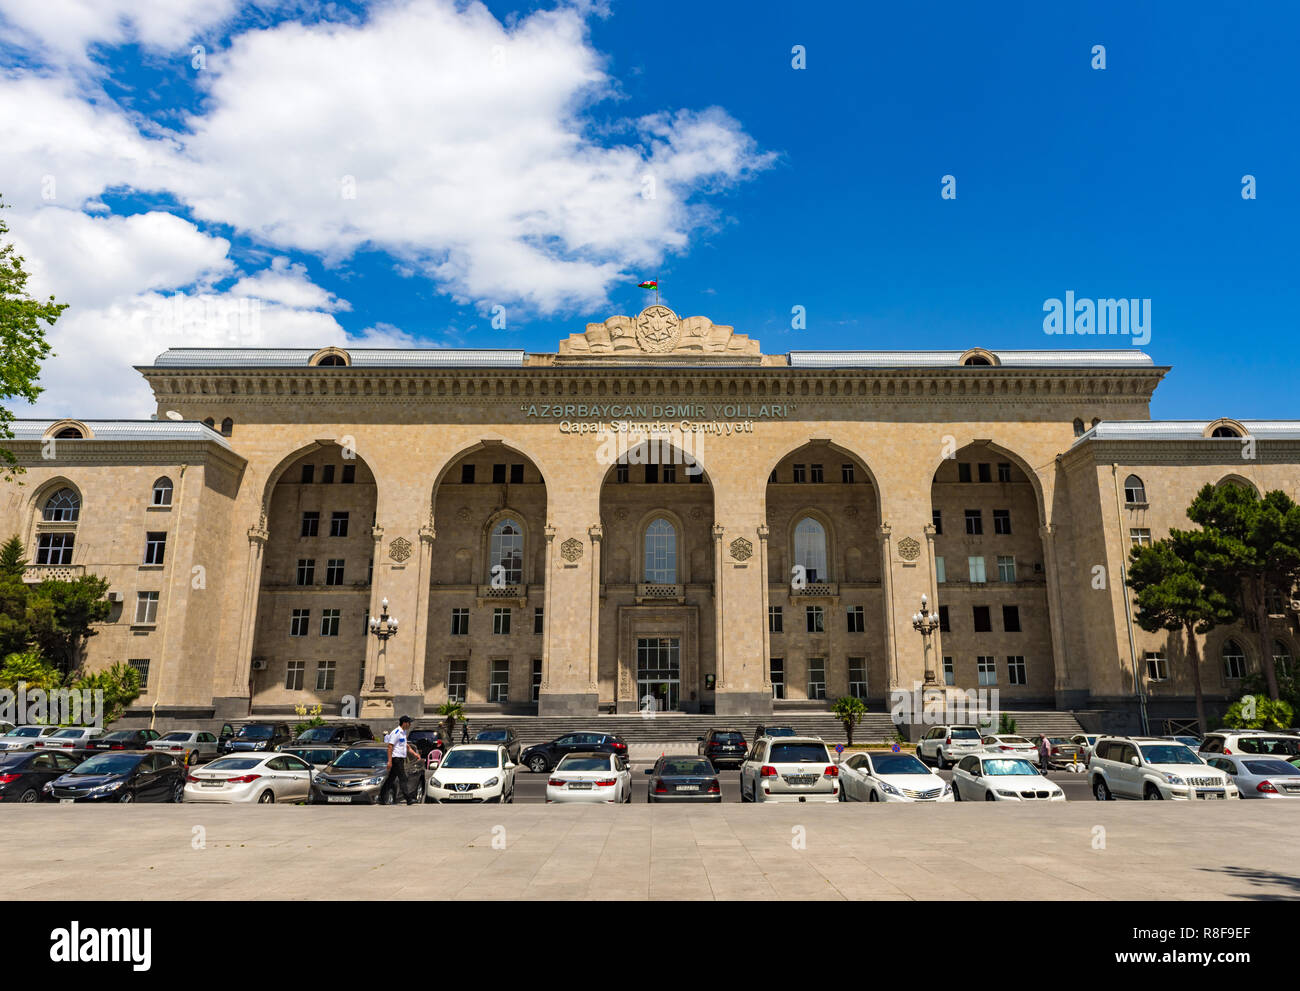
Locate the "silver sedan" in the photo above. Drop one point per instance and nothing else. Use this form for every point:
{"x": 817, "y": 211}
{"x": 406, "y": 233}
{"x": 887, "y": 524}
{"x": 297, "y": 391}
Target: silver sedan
{"x": 189, "y": 746}
{"x": 1257, "y": 776}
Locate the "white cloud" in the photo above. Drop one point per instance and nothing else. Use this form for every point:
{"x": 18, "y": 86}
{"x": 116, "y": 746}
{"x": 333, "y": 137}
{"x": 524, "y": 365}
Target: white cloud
{"x": 288, "y": 284}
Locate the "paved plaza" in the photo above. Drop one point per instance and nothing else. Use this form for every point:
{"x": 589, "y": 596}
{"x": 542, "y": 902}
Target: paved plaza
{"x": 1075, "y": 850}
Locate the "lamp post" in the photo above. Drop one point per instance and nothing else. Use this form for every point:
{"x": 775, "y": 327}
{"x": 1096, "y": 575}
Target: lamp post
{"x": 382, "y": 627}
{"x": 925, "y": 623}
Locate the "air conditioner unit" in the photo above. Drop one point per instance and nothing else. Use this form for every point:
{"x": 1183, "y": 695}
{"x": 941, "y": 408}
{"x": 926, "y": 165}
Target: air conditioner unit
{"x": 114, "y": 596}
{"x": 259, "y": 663}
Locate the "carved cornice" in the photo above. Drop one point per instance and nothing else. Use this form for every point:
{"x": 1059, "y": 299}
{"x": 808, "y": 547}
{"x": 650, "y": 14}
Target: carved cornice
{"x": 1218, "y": 452}
{"x": 72, "y": 453}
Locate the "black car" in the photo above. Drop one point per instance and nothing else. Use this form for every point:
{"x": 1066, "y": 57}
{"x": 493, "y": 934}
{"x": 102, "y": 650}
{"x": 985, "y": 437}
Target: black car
{"x": 126, "y": 776}
{"x": 762, "y": 730}
{"x": 257, "y": 736}
{"x": 723, "y": 746}
{"x": 503, "y": 735}
{"x": 340, "y": 734}
{"x": 426, "y": 741}
{"x": 544, "y": 756}
{"x": 23, "y": 774}
{"x": 683, "y": 778}
{"x": 123, "y": 739}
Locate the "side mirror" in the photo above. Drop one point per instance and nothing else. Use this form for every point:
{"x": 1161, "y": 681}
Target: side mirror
{"x": 510, "y": 765}
{"x": 1135, "y": 762}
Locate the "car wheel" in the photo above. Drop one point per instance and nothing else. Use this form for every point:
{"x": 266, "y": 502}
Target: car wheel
{"x": 1099, "y": 790}
{"x": 872, "y": 796}
{"x": 988, "y": 797}
{"x": 127, "y": 796}
{"x": 537, "y": 764}
{"x": 939, "y": 762}
{"x": 30, "y": 795}
{"x": 191, "y": 758}
{"x": 178, "y": 792}
{"x": 920, "y": 756}
{"x": 1152, "y": 793}
{"x": 956, "y": 795}
{"x": 842, "y": 798}
{"x": 743, "y": 799}
{"x": 266, "y": 798}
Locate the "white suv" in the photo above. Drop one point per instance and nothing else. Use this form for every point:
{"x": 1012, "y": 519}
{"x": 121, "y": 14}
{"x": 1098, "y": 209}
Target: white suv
{"x": 1254, "y": 742}
{"x": 1145, "y": 767}
{"x": 948, "y": 744}
{"x": 789, "y": 769}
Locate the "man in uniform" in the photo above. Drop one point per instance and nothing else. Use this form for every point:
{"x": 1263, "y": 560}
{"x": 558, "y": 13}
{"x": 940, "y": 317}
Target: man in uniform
{"x": 399, "y": 781}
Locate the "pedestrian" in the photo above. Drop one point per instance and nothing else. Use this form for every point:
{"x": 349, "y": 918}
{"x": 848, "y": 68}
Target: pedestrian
{"x": 399, "y": 751}
{"x": 464, "y": 731}
{"x": 1044, "y": 752}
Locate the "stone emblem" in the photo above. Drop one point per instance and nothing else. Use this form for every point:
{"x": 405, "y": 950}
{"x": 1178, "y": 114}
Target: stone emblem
{"x": 400, "y": 549}
{"x": 463, "y": 514}
{"x": 741, "y": 549}
{"x": 571, "y": 549}
{"x": 658, "y": 329}
{"x": 909, "y": 549}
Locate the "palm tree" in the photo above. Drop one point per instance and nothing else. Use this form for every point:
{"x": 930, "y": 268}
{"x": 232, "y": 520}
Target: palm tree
{"x": 452, "y": 711}
{"x": 849, "y": 710}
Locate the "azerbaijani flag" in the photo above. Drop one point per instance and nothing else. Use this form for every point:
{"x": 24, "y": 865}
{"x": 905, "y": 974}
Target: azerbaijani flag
{"x": 653, "y": 284}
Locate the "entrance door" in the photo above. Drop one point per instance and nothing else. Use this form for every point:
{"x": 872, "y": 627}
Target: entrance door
{"x": 658, "y": 673}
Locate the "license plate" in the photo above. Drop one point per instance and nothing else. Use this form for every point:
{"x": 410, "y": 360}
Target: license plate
{"x": 800, "y": 779}
{"x": 458, "y": 795}
{"x": 688, "y": 787}
{"x": 1209, "y": 794}
{"x": 338, "y": 798}
{"x": 580, "y": 786}
{"x": 212, "y": 784}
{"x": 66, "y": 801}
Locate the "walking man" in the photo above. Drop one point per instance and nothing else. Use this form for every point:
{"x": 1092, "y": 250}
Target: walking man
{"x": 399, "y": 777}
{"x": 1044, "y": 752}
{"x": 464, "y": 731}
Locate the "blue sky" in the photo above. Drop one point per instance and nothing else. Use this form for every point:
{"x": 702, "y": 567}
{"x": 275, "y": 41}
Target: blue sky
{"x": 817, "y": 188}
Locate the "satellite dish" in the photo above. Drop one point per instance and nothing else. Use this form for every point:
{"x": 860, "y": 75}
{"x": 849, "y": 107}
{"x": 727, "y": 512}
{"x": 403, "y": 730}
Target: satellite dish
{"x": 173, "y": 415}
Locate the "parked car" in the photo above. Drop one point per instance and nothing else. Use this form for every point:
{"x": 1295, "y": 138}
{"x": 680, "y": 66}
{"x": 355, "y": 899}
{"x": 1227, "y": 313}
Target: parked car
{"x": 1014, "y": 746}
{"x": 189, "y": 746}
{"x": 683, "y": 778}
{"x": 597, "y": 776}
{"x": 993, "y": 778}
{"x": 1260, "y": 777}
{"x": 473, "y": 773}
{"x": 1250, "y": 741}
{"x": 1151, "y": 768}
{"x": 343, "y": 734}
{"x": 541, "y": 757}
{"x": 129, "y": 776}
{"x": 762, "y": 730}
{"x": 503, "y": 735}
{"x": 315, "y": 754}
{"x": 789, "y": 769}
{"x": 948, "y": 744}
{"x": 24, "y": 773}
{"x": 883, "y": 776}
{"x": 1085, "y": 742}
{"x": 355, "y": 776}
{"x": 1191, "y": 742}
{"x": 25, "y": 737}
{"x": 123, "y": 739}
{"x": 1063, "y": 751}
{"x": 69, "y": 738}
{"x": 723, "y": 746}
{"x": 431, "y": 744}
{"x": 261, "y": 778}
{"x": 257, "y": 736}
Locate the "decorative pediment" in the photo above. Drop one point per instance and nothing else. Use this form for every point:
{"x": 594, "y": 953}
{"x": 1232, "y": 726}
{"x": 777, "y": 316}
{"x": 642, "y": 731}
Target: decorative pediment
{"x": 657, "y": 330}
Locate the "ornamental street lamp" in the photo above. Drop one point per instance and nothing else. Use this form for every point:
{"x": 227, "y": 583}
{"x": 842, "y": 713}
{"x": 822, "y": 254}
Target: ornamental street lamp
{"x": 925, "y": 623}
{"x": 383, "y": 627}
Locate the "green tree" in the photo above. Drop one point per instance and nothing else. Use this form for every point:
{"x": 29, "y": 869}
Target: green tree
{"x": 22, "y": 341}
{"x": 1006, "y": 725}
{"x": 12, "y": 560}
{"x": 1254, "y": 543}
{"x": 849, "y": 711}
{"x": 14, "y": 635}
{"x": 1174, "y": 593}
{"x": 29, "y": 669}
{"x": 451, "y": 711}
{"x": 120, "y": 685}
{"x": 60, "y": 615}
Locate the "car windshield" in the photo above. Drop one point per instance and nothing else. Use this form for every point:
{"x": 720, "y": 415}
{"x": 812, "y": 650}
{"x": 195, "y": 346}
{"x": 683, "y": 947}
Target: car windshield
{"x": 1010, "y": 739}
{"x": 68, "y": 734}
{"x": 780, "y": 731}
{"x": 492, "y": 736}
{"x": 1173, "y": 753}
{"x": 1281, "y": 745}
{"x": 361, "y": 759}
{"x": 997, "y": 768}
{"x": 255, "y": 732}
{"x": 318, "y": 734}
{"x": 585, "y": 764}
{"x": 176, "y": 737}
{"x": 898, "y": 764}
{"x": 108, "y": 764}
{"x": 26, "y": 731}
{"x": 799, "y": 753}
{"x": 232, "y": 764}
{"x": 1264, "y": 767}
{"x": 728, "y": 737}
{"x": 470, "y": 760}
{"x": 685, "y": 766}
{"x": 964, "y": 733}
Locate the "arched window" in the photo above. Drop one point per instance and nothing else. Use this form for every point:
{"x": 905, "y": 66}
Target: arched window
{"x": 1234, "y": 660}
{"x": 210, "y": 423}
{"x": 62, "y": 507}
{"x": 227, "y": 427}
{"x": 810, "y": 549}
{"x": 1225, "y": 432}
{"x": 1282, "y": 659}
{"x": 69, "y": 433}
{"x": 1078, "y": 427}
{"x": 507, "y": 552}
{"x": 1134, "y": 490}
{"x": 976, "y": 359}
{"x": 162, "y": 492}
{"x": 331, "y": 360}
{"x": 661, "y": 552}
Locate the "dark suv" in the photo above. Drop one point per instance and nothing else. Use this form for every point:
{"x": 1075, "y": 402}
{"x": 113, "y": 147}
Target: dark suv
{"x": 723, "y": 746}
{"x": 544, "y": 756}
{"x": 503, "y": 735}
{"x": 257, "y": 736}
{"x": 339, "y": 734}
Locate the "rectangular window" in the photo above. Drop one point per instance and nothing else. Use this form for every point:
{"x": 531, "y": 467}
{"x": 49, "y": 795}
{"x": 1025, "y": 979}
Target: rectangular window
{"x": 858, "y": 677}
{"x": 349, "y": 474}
{"x": 944, "y": 627}
{"x": 293, "y": 672}
{"x": 501, "y": 620}
{"x": 651, "y": 474}
{"x": 801, "y": 473}
{"x": 306, "y": 571}
{"x": 310, "y": 524}
{"x": 162, "y": 492}
{"x": 856, "y": 619}
{"x": 460, "y": 622}
{"x": 940, "y": 570}
{"x": 1016, "y": 674}
{"x": 1004, "y": 471}
{"x": 1156, "y": 665}
{"x": 539, "y": 619}
{"x": 498, "y": 474}
{"x": 669, "y": 474}
{"x": 985, "y": 474}
{"x": 775, "y": 620}
{"x": 329, "y": 622}
{"x": 466, "y": 474}
{"x": 983, "y": 624}
{"x": 325, "y": 676}
{"x": 334, "y": 571}
{"x": 988, "y": 670}
{"x": 308, "y": 474}
{"x": 949, "y": 672}
{"x": 937, "y": 517}
{"x": 54, "y": 548}
{"x": 327, "y": 474}
{"x": 1011, "y": 619}
{"x": 814, "y": 619}
{"x": 299, "y": 620}
{"x": 155, "y": 548}
{"x": 516, "y": 474}
{"x": 621, "y": 474}
{"x": 141, "y": 664}
{"x": 1234, "y": 664}
{"x": 776, "y": 674}
{"x": 457, "y": 679}
{"x": 846, "y": 474}
{"x": 1002, "y": 521}
{"x": 816, "y": 677}
{"x": 815, "y": 474}
{"x": 499, "y": 686}
{"x": 146, "y": 608}
{"x": 963, "y": 471}
{"x": 537, "y": 679}
{"x": 1006, "y": 568}
{"x": 338, "y": 524}
{"x": 976, "y": 568}
{"x": 974, "y": 522}
{"x": 1139, "y": 536}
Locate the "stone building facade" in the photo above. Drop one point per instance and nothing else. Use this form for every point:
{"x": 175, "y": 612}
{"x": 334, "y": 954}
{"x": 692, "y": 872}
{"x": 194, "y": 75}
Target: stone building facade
{"x": 657, "y": 514}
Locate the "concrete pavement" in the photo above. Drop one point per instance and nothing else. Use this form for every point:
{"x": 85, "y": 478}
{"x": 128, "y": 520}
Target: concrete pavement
{"x": 1074, "y": 850}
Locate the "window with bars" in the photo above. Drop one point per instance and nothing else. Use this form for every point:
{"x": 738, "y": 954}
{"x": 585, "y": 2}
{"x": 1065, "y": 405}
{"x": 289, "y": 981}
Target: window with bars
{"x": 141, "y": 664}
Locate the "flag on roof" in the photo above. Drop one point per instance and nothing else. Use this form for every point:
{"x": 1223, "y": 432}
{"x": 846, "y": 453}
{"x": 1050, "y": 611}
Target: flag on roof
{"x": 652, "y": 284}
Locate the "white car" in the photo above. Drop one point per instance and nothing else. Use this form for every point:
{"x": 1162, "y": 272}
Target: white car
{"x": 25, "y": 737}
{"x": 1259, "y": 777}
{"x": 471, "y": 773}
{"x": 1012, "y": 746}
{"x": 243, "y": 778}
{"x": 69, "y": 738}
{"x": 789, "y": 769}
{"x": 991, "y": 778}
{"x": 189, "y": 746}
{"x": 889, "y": 777}
{"x": 587, "y": 777}
{"x": 948, "y": 744}
{"x": 1144, "y": 767}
